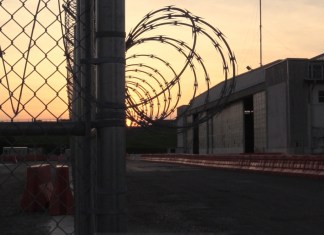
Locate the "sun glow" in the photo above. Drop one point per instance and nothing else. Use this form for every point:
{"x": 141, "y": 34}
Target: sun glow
{"x": 38, "y": 88}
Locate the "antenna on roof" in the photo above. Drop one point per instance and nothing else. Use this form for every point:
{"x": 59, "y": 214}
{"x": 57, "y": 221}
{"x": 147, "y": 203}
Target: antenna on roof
{"x": 260, "y": 32}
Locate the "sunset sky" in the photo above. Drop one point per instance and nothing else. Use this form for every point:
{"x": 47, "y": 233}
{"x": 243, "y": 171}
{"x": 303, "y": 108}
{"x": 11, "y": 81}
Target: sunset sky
{"x": 291, "y": 28}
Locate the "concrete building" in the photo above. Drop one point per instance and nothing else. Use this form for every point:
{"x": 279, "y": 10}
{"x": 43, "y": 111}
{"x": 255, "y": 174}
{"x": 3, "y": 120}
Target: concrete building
{"x": 278, "y": 107}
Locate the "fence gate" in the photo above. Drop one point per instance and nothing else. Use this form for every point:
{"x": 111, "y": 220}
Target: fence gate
{"x": 60, "y": 116}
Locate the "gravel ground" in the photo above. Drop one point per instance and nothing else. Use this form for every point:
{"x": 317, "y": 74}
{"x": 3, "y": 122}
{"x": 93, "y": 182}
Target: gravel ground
{"x": 173, "y": 199}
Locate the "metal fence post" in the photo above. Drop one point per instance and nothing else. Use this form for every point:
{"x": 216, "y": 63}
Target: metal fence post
{"x": 82, "y": 155}
{"x": 110, "y": 190}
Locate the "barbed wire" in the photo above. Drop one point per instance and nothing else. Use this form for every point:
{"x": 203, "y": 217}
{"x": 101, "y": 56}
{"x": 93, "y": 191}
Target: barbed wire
{"x": 157, "y": 78}
{"x": 151, "y": 94}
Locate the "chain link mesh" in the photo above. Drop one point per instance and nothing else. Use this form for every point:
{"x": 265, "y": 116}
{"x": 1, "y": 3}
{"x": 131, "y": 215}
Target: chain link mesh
{"x": 37, "y": 74}
{"x": 48, "y": 104}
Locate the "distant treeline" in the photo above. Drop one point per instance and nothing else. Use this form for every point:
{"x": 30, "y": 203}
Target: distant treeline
{"x": 49, "y": 144}
{"x": 138, "y": 140}
{"x": 150, "y": 140}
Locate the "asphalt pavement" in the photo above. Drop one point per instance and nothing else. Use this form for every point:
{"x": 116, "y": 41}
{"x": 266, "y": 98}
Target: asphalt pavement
{"x": 175, "y": 199}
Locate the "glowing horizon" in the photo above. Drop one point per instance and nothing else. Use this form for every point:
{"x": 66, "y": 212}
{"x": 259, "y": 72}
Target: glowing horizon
{"x": 288, "y": 31}
{"x": 33, "y": 64}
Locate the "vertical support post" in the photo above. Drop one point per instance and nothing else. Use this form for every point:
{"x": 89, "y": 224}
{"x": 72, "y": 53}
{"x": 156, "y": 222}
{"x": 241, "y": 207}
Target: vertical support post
{"x": 110, "y": 188}
{"x": 82, "y": 111}
{"x": 260, "y": 3}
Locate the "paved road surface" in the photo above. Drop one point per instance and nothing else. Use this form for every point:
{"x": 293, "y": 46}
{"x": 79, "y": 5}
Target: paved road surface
{"x": 164, "y": 198}
{"x": 173, "y": 199}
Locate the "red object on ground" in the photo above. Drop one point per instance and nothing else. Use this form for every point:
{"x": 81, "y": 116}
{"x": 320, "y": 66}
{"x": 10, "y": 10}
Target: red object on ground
{"x": 35, "y": 197}
{"x": 8, "y": 158}
{"x": 61, "y": 202}
{"x": 301, "y": 165}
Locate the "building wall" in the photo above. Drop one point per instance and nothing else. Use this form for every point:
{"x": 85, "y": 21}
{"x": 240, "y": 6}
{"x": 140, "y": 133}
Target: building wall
{"x": 181, "y": 140}
{"x": 210, "y": 128}
{"x": 260, "y": 120}
{"x": 181, "y": 134}
{"x": 298, "y": 99}
{"x": 206, "y": 138}
{"x": 203, "y": 137}
{"x": 227, "y": 130}
{"x": 288, "y": 116}
{"x": 276, "y": 100}
{"x": 317, "y": 120}
{"x": 295, "y": 122}
{"x": 189, "y": 137}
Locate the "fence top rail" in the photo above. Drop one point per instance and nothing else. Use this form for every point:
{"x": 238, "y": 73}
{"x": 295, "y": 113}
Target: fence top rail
{"x": 42, "y": 128}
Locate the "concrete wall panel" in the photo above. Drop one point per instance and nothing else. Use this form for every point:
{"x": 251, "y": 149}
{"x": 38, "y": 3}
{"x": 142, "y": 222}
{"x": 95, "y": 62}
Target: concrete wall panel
{"x": 260, "y": 120}
{"x": 317, "y": 120}
{"x": 228, "y": 130}
{"x": 298, "y": 141}
{"x": 277, "y": 118}
{"x": 189, "y": 140}
{"x": 203, "y": 138}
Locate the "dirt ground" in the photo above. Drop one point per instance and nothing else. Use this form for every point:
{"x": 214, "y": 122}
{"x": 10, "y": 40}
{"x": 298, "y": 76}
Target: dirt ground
{"x": 173, "y": 199}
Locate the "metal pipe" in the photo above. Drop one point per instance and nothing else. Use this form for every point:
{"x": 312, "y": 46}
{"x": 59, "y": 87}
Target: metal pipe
{"x": 110, "y": 189}
{"x": 42, "y": 128}
{"x": 82, "y": 154}
{"x": 260, "y": 32}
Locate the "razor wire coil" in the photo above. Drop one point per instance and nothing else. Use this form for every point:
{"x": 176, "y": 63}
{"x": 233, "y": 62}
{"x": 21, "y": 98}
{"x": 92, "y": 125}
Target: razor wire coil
{"x": 154, "y": 84}
{"x": 160, "y": 100}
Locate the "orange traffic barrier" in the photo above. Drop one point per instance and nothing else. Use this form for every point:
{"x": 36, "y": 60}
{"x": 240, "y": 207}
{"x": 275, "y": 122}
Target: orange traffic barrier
{"x": 8, "y": 158}
{"x": 35, "y": 195}
{"x": 61, "y": 201}
{"x": 302, "y": 165}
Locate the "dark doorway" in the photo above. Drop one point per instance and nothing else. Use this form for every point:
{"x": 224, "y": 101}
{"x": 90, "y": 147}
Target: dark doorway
{"x": 195, "y": 134}
{"x": 248, "y": 125}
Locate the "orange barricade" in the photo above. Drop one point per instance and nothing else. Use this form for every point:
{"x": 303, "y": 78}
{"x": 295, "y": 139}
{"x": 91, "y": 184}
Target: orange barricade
{"x": 35, "y": 196}
{"x": 61, "y": 202}
{"x": 41, "y": 194}
{"x": 303, "y": 165}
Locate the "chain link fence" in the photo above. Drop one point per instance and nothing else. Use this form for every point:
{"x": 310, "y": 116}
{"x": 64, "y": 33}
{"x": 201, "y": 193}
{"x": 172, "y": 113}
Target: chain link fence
{"x": 43, "y": 117}
{"x": 63, "y": 109}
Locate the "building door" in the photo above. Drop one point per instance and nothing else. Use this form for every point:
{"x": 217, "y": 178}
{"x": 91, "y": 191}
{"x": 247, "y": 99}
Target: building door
{"x": 248, "y": 125}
